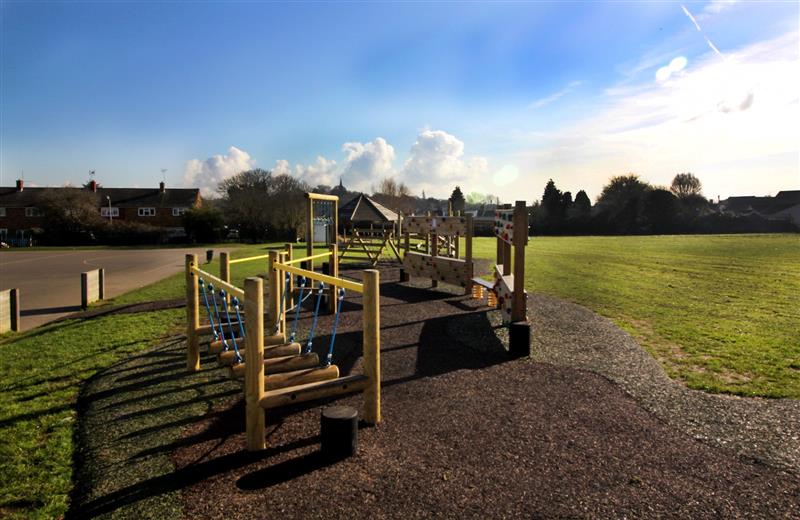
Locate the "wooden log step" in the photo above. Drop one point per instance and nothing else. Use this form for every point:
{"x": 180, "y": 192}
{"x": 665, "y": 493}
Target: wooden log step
{"x": 205, "y": 330}
{"x": 312, "y": 391}
{"x": 281, "y": 364}
{"x": 300, "y": 377}
{"x": 215, "y": 347}
{"x": 272, "y": 351}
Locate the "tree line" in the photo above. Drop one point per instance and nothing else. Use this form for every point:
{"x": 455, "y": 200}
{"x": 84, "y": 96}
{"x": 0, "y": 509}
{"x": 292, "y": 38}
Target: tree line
{"x": 626, "y": 205}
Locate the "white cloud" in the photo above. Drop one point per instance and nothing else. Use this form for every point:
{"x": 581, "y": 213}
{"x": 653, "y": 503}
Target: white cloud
{"x": 207, "y": 174}
{"x": 734, "y": 122}
{"x": 539, "y": 103}
{"x": 675, "y": 66}
{"x": 717, "y": 6}
{"x": 435, "y": 164}
{"x": 367, "y": 162}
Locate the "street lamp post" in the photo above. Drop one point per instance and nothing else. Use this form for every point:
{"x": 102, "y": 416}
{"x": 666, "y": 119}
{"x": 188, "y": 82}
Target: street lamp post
{"x": 109, "y": 208}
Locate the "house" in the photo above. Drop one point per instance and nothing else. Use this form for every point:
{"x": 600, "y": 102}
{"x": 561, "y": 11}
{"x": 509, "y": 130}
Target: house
{"x": 785, "y": 206}
{"x": 159, "y": 207}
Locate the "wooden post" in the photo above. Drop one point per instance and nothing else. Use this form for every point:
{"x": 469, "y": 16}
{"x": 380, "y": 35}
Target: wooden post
{"x": 101, "y": 283}
{"x": 468, "y": 254}
{"x": 290, "y": 296}
{"x": 518, "y": 310}
{"x": 506, "y": 257}
{"x": 225, "y": 270}
{"x": 434, "y": 250}
{"x": 15, "y": 314}
{"x": 372, "y": 346}
{"x": 84, "y": 290}
{"x": 192, "y": 316}
{"x": 336, "y": 221}
{"x": 310, "y": 232}
{"x": 499, "y": 251}
{"x": 254, "y": 368}
{"x": 274, "y": 293}
{"x": 334, "y": 271}
{"x": 281, "y": 289}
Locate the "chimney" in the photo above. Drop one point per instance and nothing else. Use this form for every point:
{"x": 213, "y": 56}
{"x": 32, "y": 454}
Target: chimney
{"x": 93, "y": 185}
{"x": 161, "y": 187}
{"x": 20, "y": 184}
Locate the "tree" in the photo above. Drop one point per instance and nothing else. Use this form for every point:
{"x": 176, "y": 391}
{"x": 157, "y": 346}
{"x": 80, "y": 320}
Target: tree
{"x": 262, "y": 205}
{"x": 71, "y": 215}
{"x": 552, "y": 209}
{"x": 580, "y": 213}
{"x": 582, "y": 203}
{"x": 620, "y": 202}
{"x": 204, "y": 224}
{"x": 685, "y": 185}
{"x": 660, "y": 211}
{"x": 457, "y": 200}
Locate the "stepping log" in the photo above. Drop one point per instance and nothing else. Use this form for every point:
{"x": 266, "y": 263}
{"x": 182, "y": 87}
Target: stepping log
{"x": 300, "y": 377}
{"x": 272, "y": 351}
{"x": 339, "y": 432}
{"x": 280, "y": 364}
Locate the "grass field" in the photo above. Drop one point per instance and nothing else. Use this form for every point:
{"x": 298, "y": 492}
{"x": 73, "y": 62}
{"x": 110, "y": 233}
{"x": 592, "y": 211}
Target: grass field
{"x": 720, "y": 313}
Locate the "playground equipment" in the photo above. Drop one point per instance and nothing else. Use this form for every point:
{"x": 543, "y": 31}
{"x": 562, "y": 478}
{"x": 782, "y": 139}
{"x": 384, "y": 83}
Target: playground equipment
{"x": 278, "y": 372}
{"x": 371, "y": 230}
{"x": 439, "y": 260}
{"x": 323, "y": 215}
{"x": 508, "y": 290}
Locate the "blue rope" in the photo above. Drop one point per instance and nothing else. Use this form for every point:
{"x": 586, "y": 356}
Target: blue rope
{"x": 235, "y": 302}
{"x": 219, "y": 318}
{"x": 230, "y": 327}
{"x": 202, "y": 284}
{"x": 297, "y": 309}
{"x": 320, "y": 292}
{"x": 335, "y": 325}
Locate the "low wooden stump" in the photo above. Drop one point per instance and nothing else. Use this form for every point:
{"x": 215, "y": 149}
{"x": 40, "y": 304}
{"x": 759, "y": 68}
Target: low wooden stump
{"x": 519, "y": 339}
{"x": 339, "y": 432}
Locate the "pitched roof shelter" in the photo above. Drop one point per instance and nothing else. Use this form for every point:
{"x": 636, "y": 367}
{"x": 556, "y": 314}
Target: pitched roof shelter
{"x": 361, "y": 210}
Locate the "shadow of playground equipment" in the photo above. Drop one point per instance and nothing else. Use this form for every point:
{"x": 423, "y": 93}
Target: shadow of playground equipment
{"x": 136, "y": 414}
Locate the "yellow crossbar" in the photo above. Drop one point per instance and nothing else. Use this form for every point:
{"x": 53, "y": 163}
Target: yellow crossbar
{"x": 219, "y": 282}
{"x": 324, "y": 278}
{"x": 312, "y": 257}
{"x": 248, "y": 259}
{"x": 319, "y": 196}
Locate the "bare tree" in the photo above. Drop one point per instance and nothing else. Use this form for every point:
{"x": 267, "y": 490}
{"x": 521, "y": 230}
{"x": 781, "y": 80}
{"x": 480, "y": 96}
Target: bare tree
{"x": 686, "y": 185}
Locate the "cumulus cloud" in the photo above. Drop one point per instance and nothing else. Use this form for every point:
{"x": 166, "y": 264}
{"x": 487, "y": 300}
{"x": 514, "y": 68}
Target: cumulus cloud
{"x": 435, "y": 163}
{"x": 207, "y": 174}
{"x": 367, "y": 162}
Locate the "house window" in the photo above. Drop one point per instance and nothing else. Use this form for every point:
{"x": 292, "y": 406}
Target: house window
{"x": 2, "y": 212}
{"x": 3, "y": 234}
{"x": 147, "y": 212}
{"x": 33, "y": 211}
{"x": 109, "y": 212}
{"x": 177, "y": 212}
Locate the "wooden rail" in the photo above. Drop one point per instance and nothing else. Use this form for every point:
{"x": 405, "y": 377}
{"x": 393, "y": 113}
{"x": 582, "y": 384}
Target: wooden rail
{"x": 230, "y": 288}
{"x": 324, "y": 278}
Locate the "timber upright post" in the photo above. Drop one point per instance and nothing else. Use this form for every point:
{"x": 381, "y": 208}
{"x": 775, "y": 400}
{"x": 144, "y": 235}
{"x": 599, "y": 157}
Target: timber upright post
{"x": 371, "y": 346}
{"x": 254, "y": 368}
{"x": 520, "y": 331}
{"x": 290, "y": 297}
{"x": 468, "y": 255}
{"x": 333, "y": 267}
{"x": 225, "y": 269}
{"x": 192, "y": 316}
{"x": 16, "y": 324}
{"x": 274, "y": 294}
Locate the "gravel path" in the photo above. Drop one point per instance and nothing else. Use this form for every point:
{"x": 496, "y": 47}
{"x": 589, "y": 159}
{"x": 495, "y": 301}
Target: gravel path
{"x": 762, "y": 430}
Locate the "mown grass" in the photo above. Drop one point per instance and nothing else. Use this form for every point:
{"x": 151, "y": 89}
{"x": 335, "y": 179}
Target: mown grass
{"x": 720, "y": 313}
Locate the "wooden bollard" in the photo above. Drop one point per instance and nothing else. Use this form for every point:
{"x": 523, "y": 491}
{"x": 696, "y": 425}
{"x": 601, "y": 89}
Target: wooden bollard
{"x": 339, "y": 432}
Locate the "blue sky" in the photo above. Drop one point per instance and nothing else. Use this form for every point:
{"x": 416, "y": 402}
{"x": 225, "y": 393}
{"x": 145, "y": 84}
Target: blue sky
{"x": 495, "y": 97}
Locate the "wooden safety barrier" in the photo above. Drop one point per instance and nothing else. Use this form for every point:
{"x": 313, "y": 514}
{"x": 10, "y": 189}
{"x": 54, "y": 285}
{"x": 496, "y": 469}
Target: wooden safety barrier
{"x": 440, "y": 234}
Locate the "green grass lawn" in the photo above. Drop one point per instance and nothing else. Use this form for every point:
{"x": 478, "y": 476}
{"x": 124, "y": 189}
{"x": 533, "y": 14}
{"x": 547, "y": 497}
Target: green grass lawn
{"x": 720, "y": 312}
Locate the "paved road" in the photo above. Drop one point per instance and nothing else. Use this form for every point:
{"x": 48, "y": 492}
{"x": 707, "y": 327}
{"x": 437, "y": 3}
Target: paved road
{"x": 50, "y": 281}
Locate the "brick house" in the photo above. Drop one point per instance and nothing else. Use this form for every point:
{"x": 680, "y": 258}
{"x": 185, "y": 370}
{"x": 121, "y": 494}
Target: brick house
{"x": 160, "y": 207}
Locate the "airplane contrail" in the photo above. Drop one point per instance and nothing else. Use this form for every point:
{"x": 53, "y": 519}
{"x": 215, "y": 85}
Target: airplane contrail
{"x": 690, "y": 17}
{"x": 697, "y": 25}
